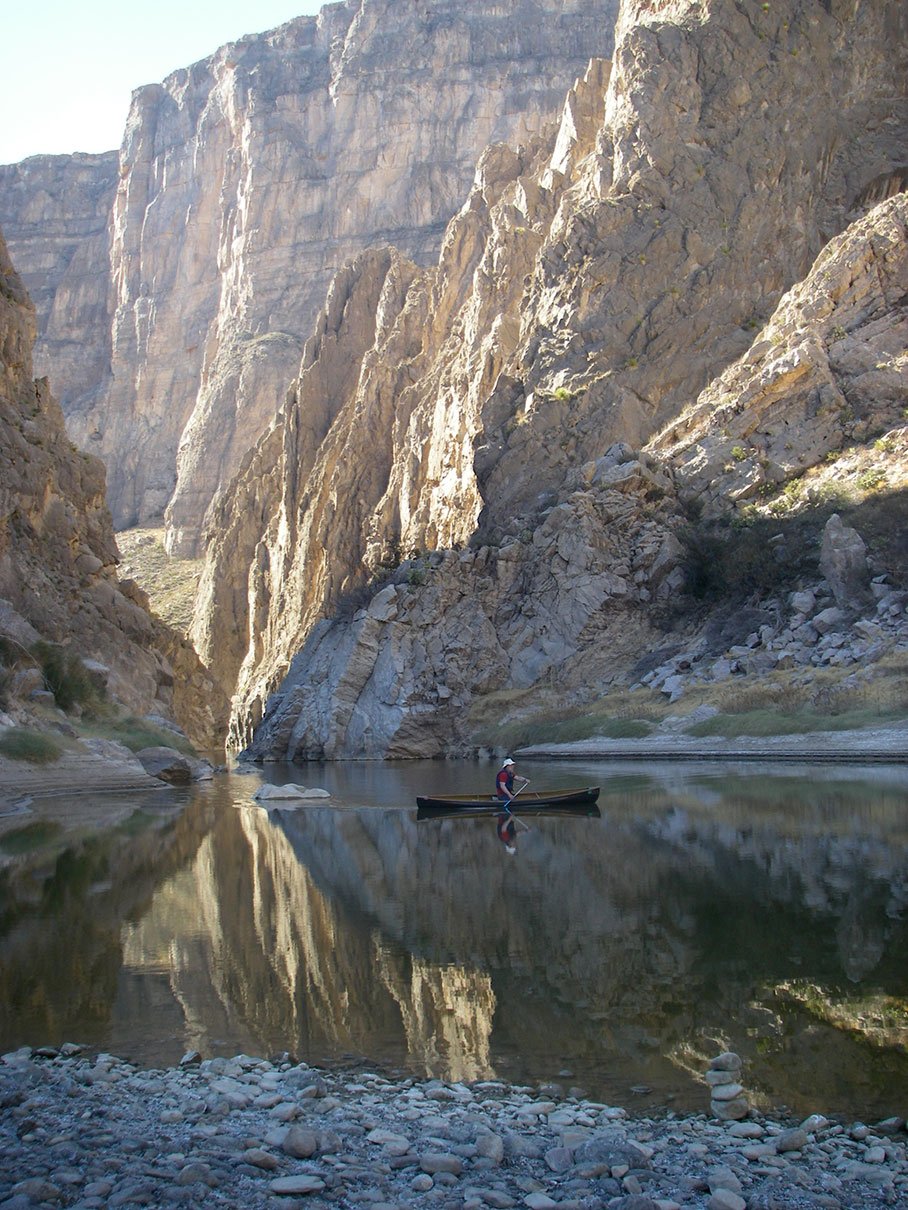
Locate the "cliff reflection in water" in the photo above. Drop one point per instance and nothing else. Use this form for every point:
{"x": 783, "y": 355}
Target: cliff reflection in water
{"x": 702, "y": 911}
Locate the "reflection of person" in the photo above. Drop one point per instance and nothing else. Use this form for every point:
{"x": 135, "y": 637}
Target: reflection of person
{"x": 507, "y": 831}
{"x": 504, "y": 782}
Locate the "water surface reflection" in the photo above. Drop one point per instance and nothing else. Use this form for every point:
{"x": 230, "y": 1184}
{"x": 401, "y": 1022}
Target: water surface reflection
{"x": 708, "y": 907}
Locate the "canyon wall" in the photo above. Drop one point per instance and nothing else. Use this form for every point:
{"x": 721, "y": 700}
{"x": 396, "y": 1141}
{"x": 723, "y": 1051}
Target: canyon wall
{"x": 599, "y": 277}
{"x": 245, "y": 183}
{"x": 58, "y": 554}
{"x": 55, "y": 214}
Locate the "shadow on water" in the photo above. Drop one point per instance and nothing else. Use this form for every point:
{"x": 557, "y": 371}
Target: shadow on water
{"x": 708, "y": 908}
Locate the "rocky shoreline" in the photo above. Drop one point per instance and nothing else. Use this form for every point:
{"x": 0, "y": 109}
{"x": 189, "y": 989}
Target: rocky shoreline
{"x": 95, "y": 1131}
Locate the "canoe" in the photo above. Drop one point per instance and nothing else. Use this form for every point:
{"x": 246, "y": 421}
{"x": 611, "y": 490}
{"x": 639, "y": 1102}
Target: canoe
{"x": 557, "y": 802}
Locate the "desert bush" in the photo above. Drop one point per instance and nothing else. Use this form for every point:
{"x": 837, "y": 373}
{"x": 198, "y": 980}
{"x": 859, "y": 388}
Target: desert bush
{"x": 65, "y": 676}
{"x": 18, "y": 743}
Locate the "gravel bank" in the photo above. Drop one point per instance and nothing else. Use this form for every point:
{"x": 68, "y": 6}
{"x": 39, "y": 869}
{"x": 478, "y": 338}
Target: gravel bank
{"x": 245, "y": 1132}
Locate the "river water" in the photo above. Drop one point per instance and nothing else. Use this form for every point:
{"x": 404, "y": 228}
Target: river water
{"x": 762, "y": 909}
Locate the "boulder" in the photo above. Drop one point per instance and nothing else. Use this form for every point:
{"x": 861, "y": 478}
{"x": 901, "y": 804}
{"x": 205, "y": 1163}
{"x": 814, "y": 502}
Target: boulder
{"x": 167, "y": 764}
{"x": 843, "y": 561}
{"x": 287, "y": 793}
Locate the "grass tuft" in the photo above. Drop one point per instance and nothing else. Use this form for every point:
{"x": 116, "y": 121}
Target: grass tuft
{"x": 35, "y": 747}
{"x": 66, "y": 676}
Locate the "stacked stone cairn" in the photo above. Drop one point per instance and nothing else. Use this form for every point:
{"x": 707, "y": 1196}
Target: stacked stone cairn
{"x": 728, "y": 1100}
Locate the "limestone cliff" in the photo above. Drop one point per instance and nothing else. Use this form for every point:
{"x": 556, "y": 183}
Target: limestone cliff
{"x": 248, "y": 179}
{"x": 55, "y": 214}
{"x": 58, "y": 553}
{"x": 598, "y": 278}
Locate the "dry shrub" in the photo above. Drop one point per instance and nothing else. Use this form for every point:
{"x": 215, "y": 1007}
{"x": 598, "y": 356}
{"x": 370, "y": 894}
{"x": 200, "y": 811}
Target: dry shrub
{"x": 782, "y": 696}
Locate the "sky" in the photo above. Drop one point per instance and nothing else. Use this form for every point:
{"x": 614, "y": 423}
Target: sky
{"x": 69, "y": 68}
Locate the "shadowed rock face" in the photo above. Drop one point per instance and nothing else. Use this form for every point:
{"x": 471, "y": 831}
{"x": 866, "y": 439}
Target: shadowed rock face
{"x": 598, "y": 278}
{"x": 248, "y": 179}
{"x": 58, "y": 553}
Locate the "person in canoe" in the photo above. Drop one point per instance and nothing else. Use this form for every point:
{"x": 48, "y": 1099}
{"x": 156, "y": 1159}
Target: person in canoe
{"x": 504, "y": 783}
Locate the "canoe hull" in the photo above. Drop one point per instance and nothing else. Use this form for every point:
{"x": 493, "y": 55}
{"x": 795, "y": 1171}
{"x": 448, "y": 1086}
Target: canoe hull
{"x": 563, "y": 802}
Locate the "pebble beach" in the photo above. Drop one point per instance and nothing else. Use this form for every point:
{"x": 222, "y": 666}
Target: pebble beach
{"x": 91, "y": 1131}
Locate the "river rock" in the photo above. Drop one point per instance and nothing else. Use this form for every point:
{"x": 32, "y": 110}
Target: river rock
{"x": 300, "y": 1184}
{"x": 673, "y": 1160}
{"x": 166, "y": 764}
{"x": 728, "y": 1100}
{"x": 300, "y": 1142}
{"x": 287, "y": 793}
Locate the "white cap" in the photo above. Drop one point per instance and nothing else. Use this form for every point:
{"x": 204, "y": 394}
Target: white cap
{"x": 506, "y": 761}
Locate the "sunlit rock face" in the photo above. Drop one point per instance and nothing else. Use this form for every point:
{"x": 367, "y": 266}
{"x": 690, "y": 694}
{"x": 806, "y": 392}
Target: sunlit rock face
{"x": 249, "y": 178}
{"x": 58, "y": 554}
{"x": 55, "y": 214}
{"x": 826, "y": 371}
{"x": 597, "y": 279}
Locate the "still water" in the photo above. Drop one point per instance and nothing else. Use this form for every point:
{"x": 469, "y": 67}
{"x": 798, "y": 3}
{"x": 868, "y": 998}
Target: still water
{"x": 754, "y": 908}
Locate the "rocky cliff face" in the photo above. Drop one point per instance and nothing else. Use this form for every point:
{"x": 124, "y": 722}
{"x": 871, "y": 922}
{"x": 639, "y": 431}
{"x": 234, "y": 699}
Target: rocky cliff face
{"x": 247, "y": 180}
{"x": 58, "y": 554}
{"x": 825, "y": 373}
{"x": 55, "y": 215}
{"x": 597, "y": 280}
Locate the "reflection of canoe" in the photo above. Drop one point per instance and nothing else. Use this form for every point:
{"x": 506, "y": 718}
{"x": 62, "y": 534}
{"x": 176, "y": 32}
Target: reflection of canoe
{"x": 558, "y": 802}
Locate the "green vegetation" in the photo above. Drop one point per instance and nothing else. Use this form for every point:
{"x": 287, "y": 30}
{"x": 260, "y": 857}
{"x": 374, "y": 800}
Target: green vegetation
{"x": 876, "y": 1017}
{"x": 728, "y": 562}
{"x": 871, "y": 478}
{"x": 36, "y": 747}
{"x": 66, "y": 676}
